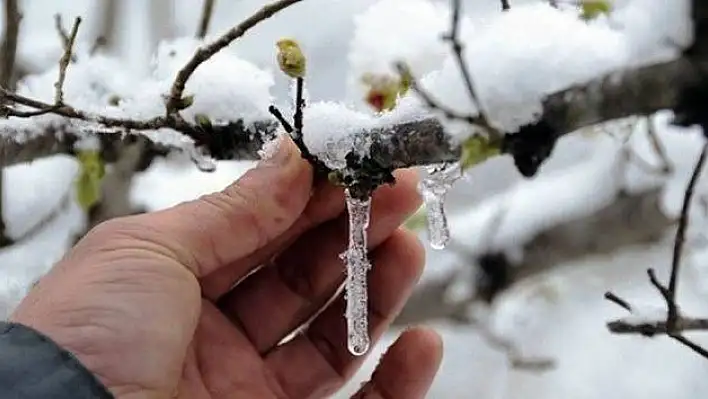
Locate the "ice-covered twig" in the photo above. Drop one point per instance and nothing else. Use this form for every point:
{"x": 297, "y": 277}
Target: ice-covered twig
{"x": 675, "y": 322}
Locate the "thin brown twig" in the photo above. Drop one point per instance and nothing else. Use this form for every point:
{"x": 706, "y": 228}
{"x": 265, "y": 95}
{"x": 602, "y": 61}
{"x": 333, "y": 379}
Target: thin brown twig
{"x": 205, "y": 19}
{"x": 675, "y": 323}
{"x": 8, "y": 52}
{"x": 8, "y": 49}
{"x": 172, "y": 120}
{"x": 683, "y": 224}
{"x": 299, "y": 107}
{"x": 617, "y": 300}
{"x": 431, "y": 102}
{"x": 457, "y": 49}
{"x": 174, "y": 101}
{"x": 63, "y": 34}
{"x": 65, "y": 60}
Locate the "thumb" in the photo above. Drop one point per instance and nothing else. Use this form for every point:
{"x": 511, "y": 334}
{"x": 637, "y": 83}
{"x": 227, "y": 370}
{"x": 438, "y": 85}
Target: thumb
{"x": 220, "y": 228}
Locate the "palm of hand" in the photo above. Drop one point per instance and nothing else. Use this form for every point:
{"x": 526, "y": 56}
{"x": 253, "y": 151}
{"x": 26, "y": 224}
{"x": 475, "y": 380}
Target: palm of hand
{"x": 166, "y": 304}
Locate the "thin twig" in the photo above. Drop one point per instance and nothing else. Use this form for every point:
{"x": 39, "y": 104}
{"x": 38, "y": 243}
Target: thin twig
{"x": 667, "y": 166}
{"x": 63, "y": 34}
{"x": 683, "y": 224}
{"x": 675, "y": 322}
{"x": 656, "y": 327}
{"x": 8, "y": 49}
{"x": 432, "y": 102}
{"x": 619, "y": 301}
{"x": 205, "y": 19}
{"x": 299, "y": 105}
{"x": 457, "y": 49}
{"x": 172, "y": 105}
{"x": 64, "y": 61}
{"x": 691, "y": 345}
{"x": 8, "y": 52}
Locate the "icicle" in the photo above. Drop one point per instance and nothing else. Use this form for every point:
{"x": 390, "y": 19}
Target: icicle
{"x": 433, "y": 189}
{"x": 357, "y": 267}
{"x": 205, "y": 163}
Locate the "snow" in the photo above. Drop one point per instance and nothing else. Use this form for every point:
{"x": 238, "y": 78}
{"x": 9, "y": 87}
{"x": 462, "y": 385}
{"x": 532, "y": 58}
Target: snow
{"x": 646, "y": 313}
{"x": 515, "y": 58}
{"x": 545, "y": 50}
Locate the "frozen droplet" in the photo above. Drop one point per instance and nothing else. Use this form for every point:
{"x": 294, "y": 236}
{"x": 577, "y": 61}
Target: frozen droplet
{"x": 204, "y": 162}
{"x": 433, "y": 189}
{"x": 357, "y": 265}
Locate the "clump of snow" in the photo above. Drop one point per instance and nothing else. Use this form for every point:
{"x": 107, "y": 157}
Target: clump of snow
{"x": 223, "y": 88}
{"x": 512, "y": 218}
{"x": 390, "y": 31}
{"x": 28, "y": 186}
{"x": 645, "y": 313}
{"x": 332, "y": 130}
{"x": 545, "y": 50}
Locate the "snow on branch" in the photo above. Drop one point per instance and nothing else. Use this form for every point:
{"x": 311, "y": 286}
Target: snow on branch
{"x": 675, "y": 323}
{"x": 409, "y": 137}
{"x": 419, "y": 141}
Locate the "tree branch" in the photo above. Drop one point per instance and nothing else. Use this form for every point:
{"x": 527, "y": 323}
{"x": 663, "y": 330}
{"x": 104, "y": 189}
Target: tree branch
{"x": 174, "y": 101}
{"x": 8, "y": 48}
{"x": 205, "y": 19}
{"x": 8, "y": 53}
{"x": 675, "y": 322}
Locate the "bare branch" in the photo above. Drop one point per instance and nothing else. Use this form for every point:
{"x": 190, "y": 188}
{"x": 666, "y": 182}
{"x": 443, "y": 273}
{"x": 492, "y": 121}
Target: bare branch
{"x": 683, "y": 224}
{"x": 65, "y": 59}
{"x": 63, "y": 34}
{"x": 675, "y": 323}
{"x": 656, "y": 327}
{"x": 8, "y": 48}
{"x": 205, "y": 19}
{"x": 174, "y": 101}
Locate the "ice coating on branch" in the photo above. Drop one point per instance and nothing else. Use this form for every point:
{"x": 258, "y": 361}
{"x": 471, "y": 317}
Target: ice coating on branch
{"x": 433, "y": 189}
{"x": 357, "y": 265}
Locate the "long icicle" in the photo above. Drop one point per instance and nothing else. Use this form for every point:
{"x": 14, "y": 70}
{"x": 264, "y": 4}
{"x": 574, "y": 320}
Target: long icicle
{"x": 357, "y": 264}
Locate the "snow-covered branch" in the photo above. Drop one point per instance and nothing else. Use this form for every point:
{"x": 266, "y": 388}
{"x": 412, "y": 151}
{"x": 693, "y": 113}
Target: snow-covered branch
{"x": 641, "y": 91}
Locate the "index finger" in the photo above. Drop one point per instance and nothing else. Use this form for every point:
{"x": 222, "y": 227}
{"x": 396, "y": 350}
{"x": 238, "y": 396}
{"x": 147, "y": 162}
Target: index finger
{"x": 220, "y": 228}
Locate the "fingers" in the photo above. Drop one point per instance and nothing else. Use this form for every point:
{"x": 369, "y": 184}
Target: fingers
{"x": 306, "y": 276}
{"x": 326, "y": 203}
{"x": 219, "y": 228}
{"x": 408, "y": 368}
{"x": 317, "y": 362}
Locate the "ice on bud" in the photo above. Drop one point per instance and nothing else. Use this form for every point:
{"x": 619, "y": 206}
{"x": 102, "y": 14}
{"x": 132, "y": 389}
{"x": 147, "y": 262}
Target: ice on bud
{"x": 433, "y": 189}
{"x": 357, "y": 265}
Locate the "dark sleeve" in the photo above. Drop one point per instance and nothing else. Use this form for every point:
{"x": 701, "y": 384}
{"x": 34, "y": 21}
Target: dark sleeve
{"x": 32, "y": 366}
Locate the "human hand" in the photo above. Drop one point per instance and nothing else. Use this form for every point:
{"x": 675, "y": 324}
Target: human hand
{"x": 164, "y": 305}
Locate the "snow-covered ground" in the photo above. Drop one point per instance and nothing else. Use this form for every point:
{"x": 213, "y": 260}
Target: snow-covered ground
{"x": 515, "y": 59}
